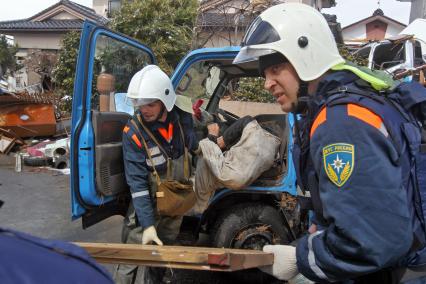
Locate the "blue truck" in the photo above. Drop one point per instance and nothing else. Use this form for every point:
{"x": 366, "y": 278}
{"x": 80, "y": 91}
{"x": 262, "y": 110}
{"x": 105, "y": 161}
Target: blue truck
{"x": 265, "y": 212}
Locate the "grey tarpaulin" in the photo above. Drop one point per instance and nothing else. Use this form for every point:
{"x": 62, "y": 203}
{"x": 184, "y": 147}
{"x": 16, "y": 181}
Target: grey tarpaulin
{"x": 235, "y": 169}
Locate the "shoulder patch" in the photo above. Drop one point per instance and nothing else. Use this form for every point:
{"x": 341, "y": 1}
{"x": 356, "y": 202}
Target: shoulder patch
{"x": 339, "y": 161}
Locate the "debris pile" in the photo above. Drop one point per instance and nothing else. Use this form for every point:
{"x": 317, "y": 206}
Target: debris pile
{"x": 30, "y": 130}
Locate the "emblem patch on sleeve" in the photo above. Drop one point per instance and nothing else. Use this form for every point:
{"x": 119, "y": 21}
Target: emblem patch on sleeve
{"x": 339, "y": 162}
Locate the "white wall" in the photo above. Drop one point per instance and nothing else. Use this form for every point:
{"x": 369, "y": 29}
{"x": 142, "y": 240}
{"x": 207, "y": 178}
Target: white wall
{"x": 223, "y": 39}
{"x": 360, "y": 32}
{"x": 39, "y": 40}
{"x": 63, "y": 16}
{"x": 100, "y": 7}
{"x": 393, "y": 30}
{"x": 355, "y": 32}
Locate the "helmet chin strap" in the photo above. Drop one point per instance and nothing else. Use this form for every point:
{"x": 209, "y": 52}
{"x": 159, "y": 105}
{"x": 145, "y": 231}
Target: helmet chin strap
{"x": 302, "y": 98}
{"x": 160, "y": 115}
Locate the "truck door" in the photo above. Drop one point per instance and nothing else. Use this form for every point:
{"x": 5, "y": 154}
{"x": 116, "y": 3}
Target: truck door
{"x": 106, "y": 63}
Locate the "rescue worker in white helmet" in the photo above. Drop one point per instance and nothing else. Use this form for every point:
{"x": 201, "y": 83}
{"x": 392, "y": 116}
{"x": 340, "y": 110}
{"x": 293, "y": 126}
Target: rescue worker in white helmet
{"x": 155, "y": 144}
{"x": 365, "y": 228}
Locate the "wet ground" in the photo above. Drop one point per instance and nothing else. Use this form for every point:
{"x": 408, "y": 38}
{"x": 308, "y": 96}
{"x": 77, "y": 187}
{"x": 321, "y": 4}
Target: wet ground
{"x": 37, "y": 201}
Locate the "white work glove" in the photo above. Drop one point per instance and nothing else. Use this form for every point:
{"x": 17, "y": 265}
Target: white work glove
{"x": 150, "y": 235}
{"x": 300, "y": 279}
{"x": 284, "y": 267}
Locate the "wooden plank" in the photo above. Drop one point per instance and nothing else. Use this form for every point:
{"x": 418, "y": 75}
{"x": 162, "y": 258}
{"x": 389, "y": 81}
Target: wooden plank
{"x": 181, "y": 257}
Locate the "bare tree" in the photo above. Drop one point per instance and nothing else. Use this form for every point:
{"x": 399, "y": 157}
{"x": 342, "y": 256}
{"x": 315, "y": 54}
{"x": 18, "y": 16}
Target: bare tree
{"x": 224, "y": 22}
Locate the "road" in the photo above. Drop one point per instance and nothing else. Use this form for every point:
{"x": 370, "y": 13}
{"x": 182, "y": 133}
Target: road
{"x": 37, "y": 201}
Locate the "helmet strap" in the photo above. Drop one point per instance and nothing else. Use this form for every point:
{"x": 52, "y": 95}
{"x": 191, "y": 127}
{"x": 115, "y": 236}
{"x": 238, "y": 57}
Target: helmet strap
{"x": 302, "y": 97}
{"x": 160, "y": 115}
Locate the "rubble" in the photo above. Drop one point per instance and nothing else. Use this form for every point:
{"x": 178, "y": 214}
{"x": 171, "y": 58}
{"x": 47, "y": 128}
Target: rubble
{"x": 8, "y": 139}
{"x": 48, "y": 153}
{"x": 29, "y": 113}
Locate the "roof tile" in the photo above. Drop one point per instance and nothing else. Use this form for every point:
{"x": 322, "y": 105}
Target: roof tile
{"x": 29, "y": 24}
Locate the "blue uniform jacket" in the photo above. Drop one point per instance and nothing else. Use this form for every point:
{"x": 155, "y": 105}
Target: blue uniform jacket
{"x": 367, "y": 223}
{"x": 137, "y": 165}
{"x": 28, "y": 259}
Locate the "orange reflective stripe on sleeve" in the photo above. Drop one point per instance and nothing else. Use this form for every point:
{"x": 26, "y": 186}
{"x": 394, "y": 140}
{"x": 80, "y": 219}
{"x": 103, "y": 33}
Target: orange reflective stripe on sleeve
{"x": 136, "y": 140}
{"x": 321, "y": 118}
{"x": 126, "y": 129}
{"x": 365, "y": 115}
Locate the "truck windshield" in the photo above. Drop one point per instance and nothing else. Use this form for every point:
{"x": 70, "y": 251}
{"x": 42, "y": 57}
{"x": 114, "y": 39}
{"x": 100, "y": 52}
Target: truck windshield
{"x": 387, "y": 55}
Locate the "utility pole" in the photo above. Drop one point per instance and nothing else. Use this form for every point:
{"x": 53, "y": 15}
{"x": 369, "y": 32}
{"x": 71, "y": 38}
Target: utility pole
{"x": 418, "y": 9}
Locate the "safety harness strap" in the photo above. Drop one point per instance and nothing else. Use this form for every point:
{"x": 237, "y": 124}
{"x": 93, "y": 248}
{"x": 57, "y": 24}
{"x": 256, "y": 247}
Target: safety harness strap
{"x": 186, "y": 170}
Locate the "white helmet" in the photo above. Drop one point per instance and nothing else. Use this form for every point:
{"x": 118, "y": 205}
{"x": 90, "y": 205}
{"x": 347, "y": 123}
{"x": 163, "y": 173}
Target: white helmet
{"x": 151, "y": 84}
{"x": 297, "y": 31}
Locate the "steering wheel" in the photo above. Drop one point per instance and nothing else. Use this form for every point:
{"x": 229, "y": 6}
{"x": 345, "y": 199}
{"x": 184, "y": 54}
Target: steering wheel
{"x": 228, "y": 116}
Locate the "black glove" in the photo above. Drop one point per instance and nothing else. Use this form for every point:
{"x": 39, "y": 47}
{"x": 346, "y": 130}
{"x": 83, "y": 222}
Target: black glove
{"x": 233, "y": 133}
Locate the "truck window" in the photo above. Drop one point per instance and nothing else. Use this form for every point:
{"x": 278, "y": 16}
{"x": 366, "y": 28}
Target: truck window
{"x": 418, "y": 56}
{"x": 200, "y": 81}
{"x": 247, "y": 96}
{"x": 363, "y": 52}
{"x": 115, "y": 63}
{"x": 387, "y": 55}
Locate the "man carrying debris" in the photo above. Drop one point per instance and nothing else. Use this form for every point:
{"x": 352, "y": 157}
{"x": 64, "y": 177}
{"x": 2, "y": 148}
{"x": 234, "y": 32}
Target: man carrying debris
{"x": 354, "y": 151}
{"x": 155, "y": 151}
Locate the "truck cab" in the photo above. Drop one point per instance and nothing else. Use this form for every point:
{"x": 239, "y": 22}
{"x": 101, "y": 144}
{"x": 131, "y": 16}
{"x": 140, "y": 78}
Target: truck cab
{"x": 405, "y": 51}
{"x": 265, "y": 212}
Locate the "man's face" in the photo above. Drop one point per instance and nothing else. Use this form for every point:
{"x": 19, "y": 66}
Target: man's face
{"x": 151, "y": 112}
{"x": 282, "y": 82}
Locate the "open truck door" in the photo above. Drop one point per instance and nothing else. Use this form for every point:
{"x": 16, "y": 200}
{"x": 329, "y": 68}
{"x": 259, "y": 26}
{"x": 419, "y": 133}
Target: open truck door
{"x": 106, "y": 63}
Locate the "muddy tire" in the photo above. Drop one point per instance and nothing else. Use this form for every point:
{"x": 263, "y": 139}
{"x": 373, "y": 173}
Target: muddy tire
{"x": 250, "y": 226}
{"x": 37, "y": 161}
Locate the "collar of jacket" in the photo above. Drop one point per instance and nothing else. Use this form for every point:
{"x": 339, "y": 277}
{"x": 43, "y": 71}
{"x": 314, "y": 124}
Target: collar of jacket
{"x": 378, "y": 79}
{"x": 331, "y": 81}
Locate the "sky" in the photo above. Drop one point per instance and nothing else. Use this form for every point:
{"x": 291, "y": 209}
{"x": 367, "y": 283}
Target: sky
{"x": 351, "y": 11}
{"x": 22, "y": 9}
{"x": 347, "y": 11}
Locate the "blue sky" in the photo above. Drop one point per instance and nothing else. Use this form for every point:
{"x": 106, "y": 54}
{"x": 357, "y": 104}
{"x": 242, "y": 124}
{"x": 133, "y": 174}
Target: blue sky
{"x": 347, "y": 11}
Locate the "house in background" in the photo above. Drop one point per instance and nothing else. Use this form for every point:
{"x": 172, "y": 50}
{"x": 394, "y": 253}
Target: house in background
{"x": 224, "y": 22}
{"x": 376, "y": 27}
{"x": 106, "y": 8}
{"x": 40, "y": 35}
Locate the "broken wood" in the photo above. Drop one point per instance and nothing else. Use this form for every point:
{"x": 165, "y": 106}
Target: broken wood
{"x": 409, "y": 72}
{"x": 8, "y": 139}
{"x": 181, "y": 257}
{"x": 6, "y": 144}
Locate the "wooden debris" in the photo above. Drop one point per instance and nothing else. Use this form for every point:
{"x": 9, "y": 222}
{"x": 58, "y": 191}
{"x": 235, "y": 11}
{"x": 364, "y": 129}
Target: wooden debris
{"x": 410, "y": 72}
{"x": 8, "y": 139}
{"x": 197, "y": 258}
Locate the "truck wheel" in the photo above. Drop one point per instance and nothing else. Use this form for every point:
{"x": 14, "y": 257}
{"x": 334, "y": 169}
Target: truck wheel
{"x": 250, "y": 226}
